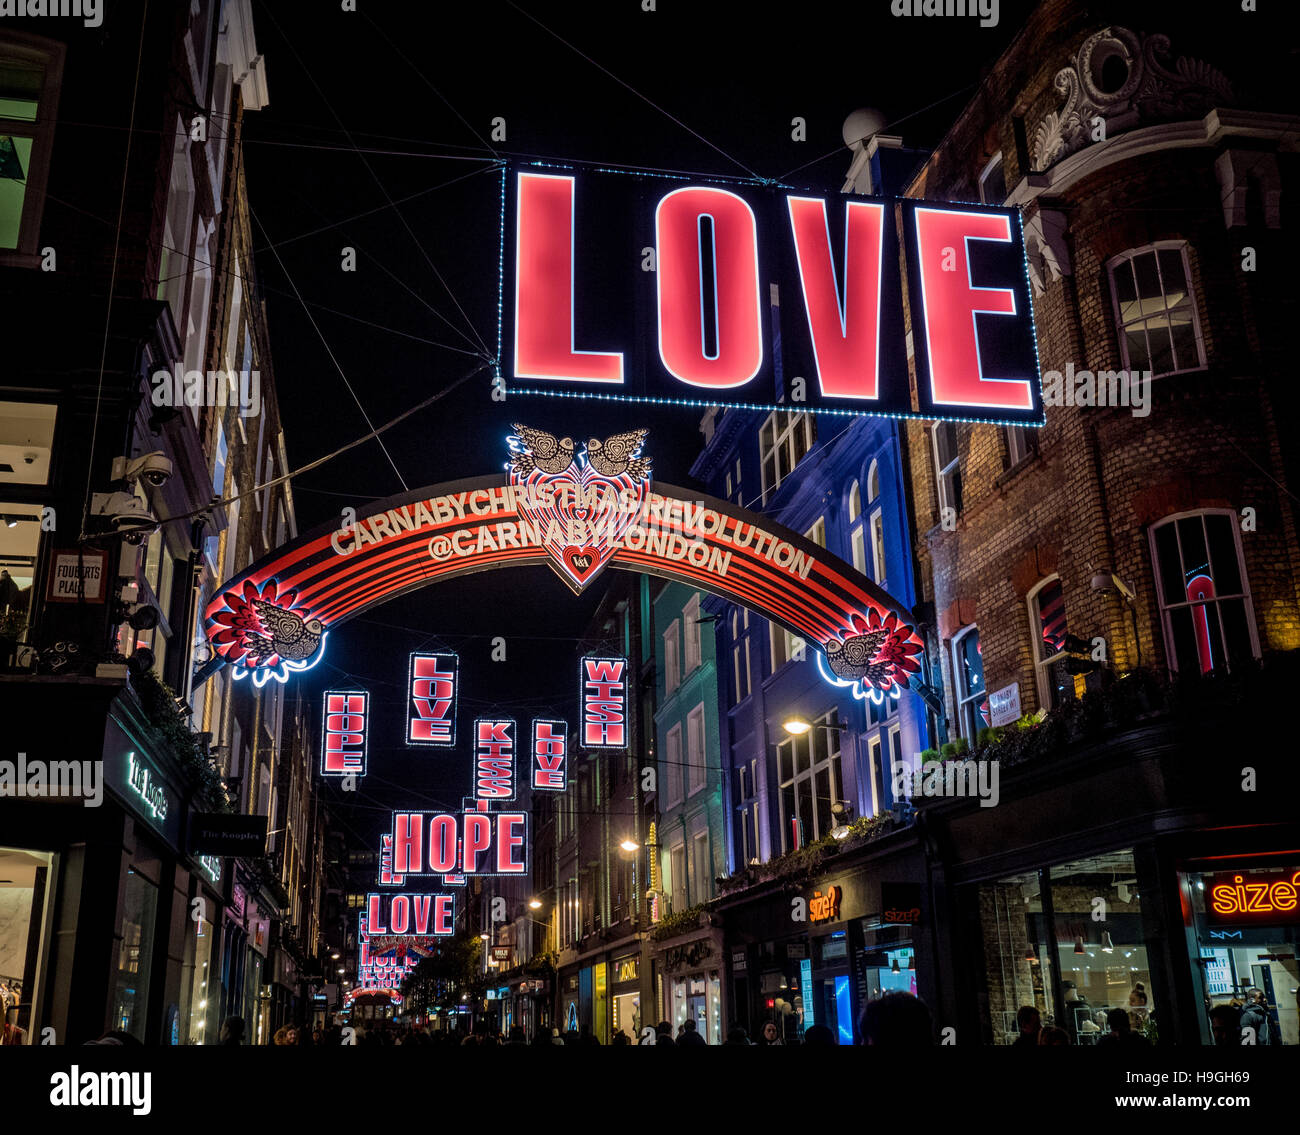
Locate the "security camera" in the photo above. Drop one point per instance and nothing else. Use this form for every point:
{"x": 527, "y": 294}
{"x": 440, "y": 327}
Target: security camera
{"x": 1107, "y": 581}
{"x": 126, "y": 514}
{"x": 29, "y": 458}
{"x": 155, "y": 468}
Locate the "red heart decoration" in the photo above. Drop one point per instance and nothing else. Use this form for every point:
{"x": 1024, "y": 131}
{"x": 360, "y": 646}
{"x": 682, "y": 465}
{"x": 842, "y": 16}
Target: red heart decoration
{"x": 582, "y": 561}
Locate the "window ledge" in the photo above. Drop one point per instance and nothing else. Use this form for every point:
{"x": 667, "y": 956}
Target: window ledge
{"x": 1025, "y": 463}
{"x": 12, "y": 259}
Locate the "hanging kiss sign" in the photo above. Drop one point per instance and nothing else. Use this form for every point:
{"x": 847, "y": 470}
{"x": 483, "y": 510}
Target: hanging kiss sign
{"x": 650, "y": 289}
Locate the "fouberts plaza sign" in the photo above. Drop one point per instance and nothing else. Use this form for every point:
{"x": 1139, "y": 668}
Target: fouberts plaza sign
{"x": 579, "y": 509}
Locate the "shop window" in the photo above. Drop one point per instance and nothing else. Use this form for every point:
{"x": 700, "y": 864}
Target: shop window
{"x": 1243, "y": 926}
{"x": 672, "y": 657}
{"x": 783, "y": 440}
{"x": 25, "y": 881}
{"x": 809, "y": 774}
{"x": 199, "y": 995}
{"x": 1048, "y": 630}
{"x": 1020, "y": 969}
{"x": 135, "y": 955}
{"x": 691, "y": 624}
{"x": 968, "y": 678}
{"x": 1155, "y": 311}
{"x": 947, "y": 469}
{"x": 1205, "y": 604}
{"x": 26, "y": 439}
{"x": 20, "y": 541}
{"x": 31, "y": 70}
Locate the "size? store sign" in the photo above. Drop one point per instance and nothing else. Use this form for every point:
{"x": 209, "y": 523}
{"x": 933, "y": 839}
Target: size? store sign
{"x": 1267, "y": 900}
{"x": 432, "y": 687}
{"x": 604, "y": 703}
{"x": 650, "y": 289}
{"x": 347, "y": 720}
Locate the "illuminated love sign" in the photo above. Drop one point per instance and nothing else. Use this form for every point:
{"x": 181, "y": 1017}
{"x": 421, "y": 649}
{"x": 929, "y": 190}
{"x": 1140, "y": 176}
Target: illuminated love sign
{"x": 604, "y": 703}
{"x": 347, "y": 717}
{"x": 419, "y": 915}
{"x": 638, "y": 289}
{"x": 432, "y": 689}
{"x": 1273, "y": 899}
{"x": 550, "y": 755}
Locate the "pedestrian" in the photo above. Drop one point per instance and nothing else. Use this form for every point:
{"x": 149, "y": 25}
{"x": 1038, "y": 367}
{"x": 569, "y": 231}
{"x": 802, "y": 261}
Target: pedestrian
{"x": 621, "y": 1037}
{"x": 1030, "y": 1023}
{"x": 1225, "y": 1024}
{"x": 818, "y": 1036}
{"x": 770, "y": 1034}
{"x": 897, "y": 1020}
{"x": 517, "y": 1035}
{"x": 1121, "y": 1035}
{"x": 232, "y": 1031}
{"x": 1051, "y": 1035}
{"x": 664, "y": 1034}
{"x": 1256, "y": 1016}
{"x": 690, "y": 1036}
{"x": 736, "y": 1035}
{"x": 1138, "y": 998}
{"x": 587, "y": 1038}
{"x": 556, "y": 1038}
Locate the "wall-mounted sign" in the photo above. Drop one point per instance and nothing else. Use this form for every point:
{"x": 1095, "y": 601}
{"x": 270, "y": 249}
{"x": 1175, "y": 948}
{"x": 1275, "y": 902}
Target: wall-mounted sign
{"x": 500, "y": 953}
{"x": 738, "y": 961}
{"x": 603, "y": 695}
{"x": 494, "y": 759}
{"x": 433, "y": 686}
{"x": 627, "y": 969}
{"x": 731, "y": 270}
{"x": 475, "y": 843}
{"x": 347, "y": 722}
{"x": 1004, "y": 705}
{"x": 900, "y": 903}
{"x": 211, "y": 867}
{"x": 77, "y": 576}
{"x": 550, "y": 754}
{"x": 386, "y": 876}
{"x": 824, "y": 907}
{"x": 1263, "y": 899}
{"x": 144, "y": 785}
{"x": 228, "y": 833}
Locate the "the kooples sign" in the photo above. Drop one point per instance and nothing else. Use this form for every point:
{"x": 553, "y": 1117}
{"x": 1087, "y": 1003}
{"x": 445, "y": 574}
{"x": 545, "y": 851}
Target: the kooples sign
{"x": 432, "y": 689}
{"x": 347, "y": 721}
{"x": 550, "y": 754}
{"x": 422, "y": 915}
{"x": 603, "y": 697}
{"x": 494, "y": 759}
{"x": 633, "y": 288}
{"x": 475, "y": 843}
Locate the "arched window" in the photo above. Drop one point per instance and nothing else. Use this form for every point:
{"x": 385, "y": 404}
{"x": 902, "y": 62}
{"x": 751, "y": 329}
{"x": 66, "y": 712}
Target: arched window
{"x": 968, "y": 681}
{"x": 1205, "y": 604}
{"x": 857, "y": 534}
{"x": 1047, "y": 628}
{"x": 1155, "y": 311}
{"x": 873, "y": 482}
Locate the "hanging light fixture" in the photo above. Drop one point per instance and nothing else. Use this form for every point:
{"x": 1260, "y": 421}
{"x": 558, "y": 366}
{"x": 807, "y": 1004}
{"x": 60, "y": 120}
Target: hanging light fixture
{"x": 1078, "y": 945}
{"x": 1031, "y": 955}
{"x": 1106, "y": 944}
{"x": 894, "y": 967}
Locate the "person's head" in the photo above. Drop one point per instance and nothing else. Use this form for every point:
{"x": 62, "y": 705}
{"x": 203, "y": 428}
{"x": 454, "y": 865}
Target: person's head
{"x": 1118, "y": 1020}
{"x": 1139, "y": 988}
{"x": 688, "y": 1025}
{"x": 232, "y": 1030}
{"x": 1027, "y": 1017}
{"x": 897, "y": 1020}
{"x": 770, "y": 1032}
{"x": 1050, "y": 1034}
{"x": 664, "y": 1027}
{"x": 1255, "y": 997}
{"x": 1225, "y": 1024}
{"x": 737, "y": 1035}
{"x": 819, "y": 1036}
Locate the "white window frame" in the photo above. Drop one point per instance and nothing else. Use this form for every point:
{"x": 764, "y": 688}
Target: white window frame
{"x": 1019, "y": 446}
{"x": 943, "y": 473}
{"x": 740, "y": 654}
{"x": 964, "y": 699}
{"x": 785, "y": 646}
{"x": 1125, "y": 259}
{"x": 1167, "y": 607}
{"x": 995, "y": 162}
{"x": 696, "y": 750}
{"x": 50, "y": 54}
{"x": 678, "y": 886}
{"x": 876, "y": 530}
{"x": 691, "y": 633}
{"x": 1042, "y": 661}
{"x": 783, "y": 426}
{"x": 673, "y": 766}
{"x": 812, "y": 830}
{"x": 857, "y": 530}
{"x": 672, "y": 657}
{"x": 817, "y": 532}
{"x": 701, "y": 873}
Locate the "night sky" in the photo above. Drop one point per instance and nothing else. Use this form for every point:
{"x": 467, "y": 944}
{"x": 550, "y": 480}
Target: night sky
{"x": 415, "y": 88}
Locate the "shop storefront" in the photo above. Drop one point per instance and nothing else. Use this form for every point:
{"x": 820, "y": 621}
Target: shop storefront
{"x": 625, "y": 997}
{"x": 604, "y": 992}
{"x": 689, "y": 971}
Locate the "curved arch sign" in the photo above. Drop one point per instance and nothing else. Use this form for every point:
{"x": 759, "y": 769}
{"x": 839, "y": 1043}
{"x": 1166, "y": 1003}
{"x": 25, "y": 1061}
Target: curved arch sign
{"x": 579, "y": 509}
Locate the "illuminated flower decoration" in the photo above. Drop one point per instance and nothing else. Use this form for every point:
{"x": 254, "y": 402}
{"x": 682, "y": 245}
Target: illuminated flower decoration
{"x": 875, "y": 656}
{"x": 260, "y": 632}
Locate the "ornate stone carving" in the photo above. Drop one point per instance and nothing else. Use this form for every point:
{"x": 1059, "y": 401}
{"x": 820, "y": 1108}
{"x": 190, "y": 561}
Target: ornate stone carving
{"x": 1126, "y": 80}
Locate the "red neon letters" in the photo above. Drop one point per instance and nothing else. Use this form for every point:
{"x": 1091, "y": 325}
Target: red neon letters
{"x": 424, "y": 915}
{"x": 433, "y": 682}
{"x": 550, "y": 755}
{"x": 494, "y": 759}
{"x": 604, "y": 703}
{"x": 544, "y": 333}
{"x": 346, "y": 718}
{"x": 490, "y": 843}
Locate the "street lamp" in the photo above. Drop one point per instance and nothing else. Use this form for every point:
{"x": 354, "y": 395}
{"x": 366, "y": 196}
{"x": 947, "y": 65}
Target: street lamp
{"x": 798, "y": 725}
{"x": 630, "y": 845}
{"x": 842, "y": 811}
{"x": 534, "y": 904}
